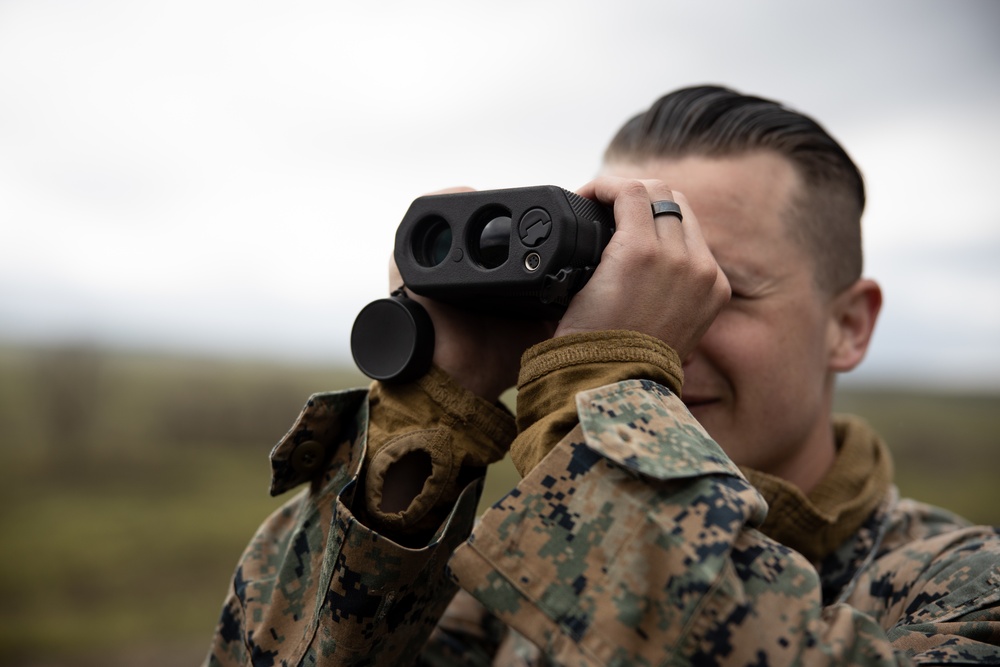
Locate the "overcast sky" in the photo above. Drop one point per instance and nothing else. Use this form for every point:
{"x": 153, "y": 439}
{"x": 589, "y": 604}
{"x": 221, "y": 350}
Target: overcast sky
{"x": 226, "y": 176}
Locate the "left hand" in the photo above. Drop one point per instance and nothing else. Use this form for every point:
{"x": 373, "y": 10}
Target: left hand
{"x": 656, "y": 276}
{"x": 480, "y": 352}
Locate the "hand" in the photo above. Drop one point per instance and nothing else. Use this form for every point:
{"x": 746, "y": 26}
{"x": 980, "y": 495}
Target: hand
{"x": 656, "y": 276}
{"x": 480, "y": 352}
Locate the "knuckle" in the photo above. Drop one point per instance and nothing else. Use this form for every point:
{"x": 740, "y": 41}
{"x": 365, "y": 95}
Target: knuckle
{"x": 659, "y": 189}
{"x": 634, "y": 188}
{"x": 649, "y": 252}
{"x": 706, "y": 271}
{"x": 723, "y": 291}
{"x": 642, "y": 258}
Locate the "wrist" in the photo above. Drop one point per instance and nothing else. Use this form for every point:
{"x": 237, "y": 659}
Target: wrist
{"x": 604, "y": 357}
{"x": 554, "y": 372}
{"x": 476, "y": 374}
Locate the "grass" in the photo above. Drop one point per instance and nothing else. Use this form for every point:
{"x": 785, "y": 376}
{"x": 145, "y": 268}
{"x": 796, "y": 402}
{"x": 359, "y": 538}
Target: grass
{"x": 133, "y": 483}
{"x": 944, "y": 444}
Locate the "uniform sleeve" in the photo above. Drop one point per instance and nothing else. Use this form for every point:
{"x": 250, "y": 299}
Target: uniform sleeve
{"x": 317, "y": 584}
{"x": 633, "y": 542}
{"x": 467, "y": 635}
{"x": 939, "y": 597}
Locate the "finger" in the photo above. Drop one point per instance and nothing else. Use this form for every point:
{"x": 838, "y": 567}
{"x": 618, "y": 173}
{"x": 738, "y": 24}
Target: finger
{"x": 667, "y": 227}
{"x": 690, "y": 227}
{"x": 633, "y": 207}
{"x": 722, "y": 284}
{"x": 451, "y": 190}
{"x": 630, "y": 200}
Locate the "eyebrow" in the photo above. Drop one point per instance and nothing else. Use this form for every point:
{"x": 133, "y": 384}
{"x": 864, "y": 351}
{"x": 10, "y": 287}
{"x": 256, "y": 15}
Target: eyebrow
{"x": 743, "y": 280}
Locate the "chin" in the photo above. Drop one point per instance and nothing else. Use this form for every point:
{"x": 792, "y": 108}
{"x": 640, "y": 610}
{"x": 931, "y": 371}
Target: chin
{"x": 710, "y": 417}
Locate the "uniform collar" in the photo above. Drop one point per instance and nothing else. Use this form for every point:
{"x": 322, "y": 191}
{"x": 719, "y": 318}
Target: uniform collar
{"x": 817, "y": 523}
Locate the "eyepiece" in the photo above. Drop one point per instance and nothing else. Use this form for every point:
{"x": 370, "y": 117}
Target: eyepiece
{"x": 431, "y": 241}
{"x": 490, "y": 236}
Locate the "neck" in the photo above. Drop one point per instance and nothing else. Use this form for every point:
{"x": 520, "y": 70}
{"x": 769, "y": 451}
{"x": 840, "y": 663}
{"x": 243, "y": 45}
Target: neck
{"x": 813, "y": 461}
{"x": 857, "y": 482}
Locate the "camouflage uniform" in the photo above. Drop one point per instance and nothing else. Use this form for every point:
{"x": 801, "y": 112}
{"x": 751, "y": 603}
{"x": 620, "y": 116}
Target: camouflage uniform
{"x": 633, "y": 541}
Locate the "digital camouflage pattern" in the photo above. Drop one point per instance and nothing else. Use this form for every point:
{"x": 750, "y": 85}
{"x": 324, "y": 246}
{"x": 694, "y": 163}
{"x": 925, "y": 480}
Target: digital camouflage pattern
{"x": 315, "y": 586}
{"x": 632, "y": 543}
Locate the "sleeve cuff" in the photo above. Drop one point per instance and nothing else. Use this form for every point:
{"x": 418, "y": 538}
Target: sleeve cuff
{"x": 631, "y": 356}
{"x": 555, "y": 371}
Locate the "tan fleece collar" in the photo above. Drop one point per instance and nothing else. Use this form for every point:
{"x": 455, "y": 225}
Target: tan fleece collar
{"x": 815, "y": 525}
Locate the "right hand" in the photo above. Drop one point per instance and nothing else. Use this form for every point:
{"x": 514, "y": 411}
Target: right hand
{"x": 480, "y": 352}
{"x": 656, "y": 276}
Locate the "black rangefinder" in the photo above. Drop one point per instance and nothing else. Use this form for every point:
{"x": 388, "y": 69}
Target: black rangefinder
{"x": 520, "y": 252}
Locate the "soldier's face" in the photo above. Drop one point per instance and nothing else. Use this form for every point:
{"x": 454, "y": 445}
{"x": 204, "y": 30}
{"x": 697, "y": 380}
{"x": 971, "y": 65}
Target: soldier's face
{"x": 759, "y": 380}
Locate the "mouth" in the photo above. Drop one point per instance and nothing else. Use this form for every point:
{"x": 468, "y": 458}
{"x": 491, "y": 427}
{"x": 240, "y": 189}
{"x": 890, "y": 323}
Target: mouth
{"x": 696, "y": 402}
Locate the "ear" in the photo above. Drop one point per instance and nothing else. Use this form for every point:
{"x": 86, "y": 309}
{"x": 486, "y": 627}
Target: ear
{"x": 852, "y": 320}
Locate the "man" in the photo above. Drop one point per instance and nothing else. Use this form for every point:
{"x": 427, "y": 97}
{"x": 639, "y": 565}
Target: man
{"x": 633, "y": 537}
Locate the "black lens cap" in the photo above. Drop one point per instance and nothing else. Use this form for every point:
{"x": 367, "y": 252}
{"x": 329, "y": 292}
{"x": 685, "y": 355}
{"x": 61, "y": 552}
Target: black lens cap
{"x": 393, "y": 340}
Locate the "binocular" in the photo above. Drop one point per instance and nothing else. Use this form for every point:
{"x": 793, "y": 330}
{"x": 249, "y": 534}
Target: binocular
{"x": 518, "y": 253}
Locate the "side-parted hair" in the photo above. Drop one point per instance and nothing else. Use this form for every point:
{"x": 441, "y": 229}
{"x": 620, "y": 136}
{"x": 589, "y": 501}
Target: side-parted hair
{"x": 713, "y": 121}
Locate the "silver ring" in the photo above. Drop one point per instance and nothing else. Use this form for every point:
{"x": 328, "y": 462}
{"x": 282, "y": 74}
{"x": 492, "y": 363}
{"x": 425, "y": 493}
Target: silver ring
{"x": 667, "y": 207}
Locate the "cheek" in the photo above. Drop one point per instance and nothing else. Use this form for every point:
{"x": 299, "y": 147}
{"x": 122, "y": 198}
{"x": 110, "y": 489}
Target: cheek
{"x": 797, "y": 359}
{"x": 742, "y": 348}
{"x": 767, "y": 361}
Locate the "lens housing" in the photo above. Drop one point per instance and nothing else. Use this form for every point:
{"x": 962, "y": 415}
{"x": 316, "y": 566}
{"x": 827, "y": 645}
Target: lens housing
{"x": 520, "y": 252}
{"x": 489, "y": 236}
{"x": 432, "y": 240}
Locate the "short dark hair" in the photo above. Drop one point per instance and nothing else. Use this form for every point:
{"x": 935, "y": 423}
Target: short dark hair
{"x": 718, "y": 122}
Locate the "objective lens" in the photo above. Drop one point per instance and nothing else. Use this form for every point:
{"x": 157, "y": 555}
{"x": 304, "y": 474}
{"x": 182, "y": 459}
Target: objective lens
{"x": 438, "y": 245}
{"x": 432, "y": 242}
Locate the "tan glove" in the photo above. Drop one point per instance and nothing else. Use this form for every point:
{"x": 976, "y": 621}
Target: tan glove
{"x": 426, "y": 441}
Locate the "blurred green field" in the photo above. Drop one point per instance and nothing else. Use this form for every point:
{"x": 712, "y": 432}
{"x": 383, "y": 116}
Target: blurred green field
{"x": 133, "y": 482}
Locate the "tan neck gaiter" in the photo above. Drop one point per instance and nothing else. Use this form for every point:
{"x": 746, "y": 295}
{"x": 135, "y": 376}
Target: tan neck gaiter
{"x": 817, "y": 523}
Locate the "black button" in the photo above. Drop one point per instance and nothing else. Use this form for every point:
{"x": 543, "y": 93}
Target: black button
{"x": 535, "y": 227}
{"x": 308, "y": 457}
